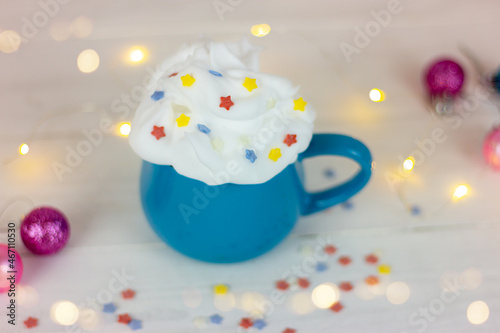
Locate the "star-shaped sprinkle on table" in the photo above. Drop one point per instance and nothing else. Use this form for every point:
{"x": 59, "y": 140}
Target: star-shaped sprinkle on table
{"x": 216, "y": 319}
{"x": 250, "y": 84}
{"x": 226, "y": 102}
{"x": 124, "y": 318}
{"x": 221, "y": 289}
{"x": 344, "y": 260}
{"x": 346, "y": 286}
{"x": 250, "y": 155}
{"x": 303, "y": 283}
{"x": 384, "y": 269}
{"x": 330, "y": 249}
{"x": 371, "y": 259}
{"x": 157, "y": 95}
{"x": 336, "y": 307}
{"x": 31, "y": 322}
{"x": 290, "y": 139}
{"x": 187, "y": 80}
{"x": 259, "y": 324}
{"x": 109, "y": 308}
{"x": 203, "y": 128}
{"x": 282, "y": 285}
{"x": 135, "y": 324}
{"x": 128, "y": 294}
{"x": 372, "y": 280}
{"x": 158, "y": 132}
{"x": 321, "y": 267}
{"x": 246, "y": 322}
{"x": 182, "y": 120}
{"x": 275, "y": 154}
{"x": 289, "y": 330}
{"x": 299, "y": 104}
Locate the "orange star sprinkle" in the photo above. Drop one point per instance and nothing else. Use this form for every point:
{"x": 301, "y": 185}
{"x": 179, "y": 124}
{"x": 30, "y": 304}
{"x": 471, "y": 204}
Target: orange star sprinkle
{"x": 337, "y": 307}
{"x": 372, "y": 280}
{"x": 124, "y": 318}
{"x": 226, "y": 102}
{"x": 344, "y": 261}
{"x": 128, "y": 294}
{"x": 158, "y": 132}
{"x": 31, "y": 322}
{"x": 290, "y": 139}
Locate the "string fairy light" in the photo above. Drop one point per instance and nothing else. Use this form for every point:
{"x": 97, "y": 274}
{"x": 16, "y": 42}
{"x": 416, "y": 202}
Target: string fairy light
{"x": 377, "y": 95}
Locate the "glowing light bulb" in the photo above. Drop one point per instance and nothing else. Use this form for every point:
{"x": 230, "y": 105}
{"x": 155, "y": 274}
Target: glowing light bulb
{"x": 325, "y": 295}
{"x": 398, "y": 292}
{"x": 377, "y": 95}
{"x": 260, "y": 30}
{"x": 88, "y": 61}
{"x": 64, "y": 313}
{"x": 9, "y": 41}
{"x": 24, "y": 149}
{"x": 478, "y": 312}
{"x": 409, "y": 163}
{"x": 125, "y": 129}
{"x": 460, "y": 192}
{"x": 136, "y": 55}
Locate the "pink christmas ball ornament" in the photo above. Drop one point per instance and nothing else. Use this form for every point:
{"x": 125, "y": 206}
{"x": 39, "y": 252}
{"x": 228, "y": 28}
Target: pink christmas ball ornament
{"x": 491, "y": 148}
{"x": 10, "y": 261}
{"x": 45, "y": 231}
{"x": 444, "y": 78}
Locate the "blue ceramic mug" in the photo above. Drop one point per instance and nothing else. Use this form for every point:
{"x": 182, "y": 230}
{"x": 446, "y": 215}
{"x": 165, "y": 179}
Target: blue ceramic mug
{"x": 232, "y": 222}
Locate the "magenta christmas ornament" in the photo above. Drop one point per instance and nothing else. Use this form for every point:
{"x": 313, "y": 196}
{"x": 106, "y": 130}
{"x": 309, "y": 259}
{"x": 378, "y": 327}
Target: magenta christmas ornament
{"x": 444, "y": 80}
{"x": 11, "y": 268}
{"x": 491, "y": 148}
{"x": 45, "y": 231}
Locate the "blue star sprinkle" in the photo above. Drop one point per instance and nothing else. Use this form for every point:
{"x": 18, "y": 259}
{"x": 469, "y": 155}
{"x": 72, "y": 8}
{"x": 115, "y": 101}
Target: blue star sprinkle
{"x": 259, "y": 323}
{"x": 203, "y": 128}
{"x": 250, "y": 154}
{"x": 157, "y": 95}
{"x": 215, "y": 73}
{"x": 415, "y": 211}
{"x": 347, "y": 205}
{"x": 321, "y": 267}
{"x": 216, "y": 319}
{"x": 109, "y": 308}
{"x": 329, "y": 173}
{"x": 135, "y": 324}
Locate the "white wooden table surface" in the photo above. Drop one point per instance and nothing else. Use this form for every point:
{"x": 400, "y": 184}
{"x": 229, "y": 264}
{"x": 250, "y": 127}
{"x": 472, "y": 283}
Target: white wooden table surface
{"x": 47, "y": 101}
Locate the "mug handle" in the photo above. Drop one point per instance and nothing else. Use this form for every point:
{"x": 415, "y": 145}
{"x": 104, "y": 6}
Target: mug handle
{"x": 338, "y": 145}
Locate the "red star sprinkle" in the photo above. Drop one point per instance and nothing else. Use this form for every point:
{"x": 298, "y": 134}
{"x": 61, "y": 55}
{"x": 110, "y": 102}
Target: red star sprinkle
{"x": 303, "y": 282}
{"x": 124, "y": 318}
{"x": 173, "y": 74}
{"x": 346, "y": 286}
{"x": 330, "y": 249}
{"x": 246, "y": 322}
{"x": 31, "y": 322}
{"x": 336, "y": 307}
{"x": 371, "y": 259}
{"x": 290, "y": 139}
{"x": 128, "y": 294}
{"x": 371, "y": 280}
{"x": 282, "y": 285}
{"x": 226, "y": 102}
{"x": 158, "y": 132}
{"x": 289, "y": 330}
{"x": 344, "y": 261}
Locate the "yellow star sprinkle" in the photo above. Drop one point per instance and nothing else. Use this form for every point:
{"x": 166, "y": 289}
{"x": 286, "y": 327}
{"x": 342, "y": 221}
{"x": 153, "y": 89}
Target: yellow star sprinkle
{"x": 275, "y": 154}
{"x": 221, "y": 289}
{"x": 187, "y": 80}
{"x": 384, "y": 269}
{"x": 250, "y": 84}
{"x": 182, "y": 120}
{"x": 299, "y": 104}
